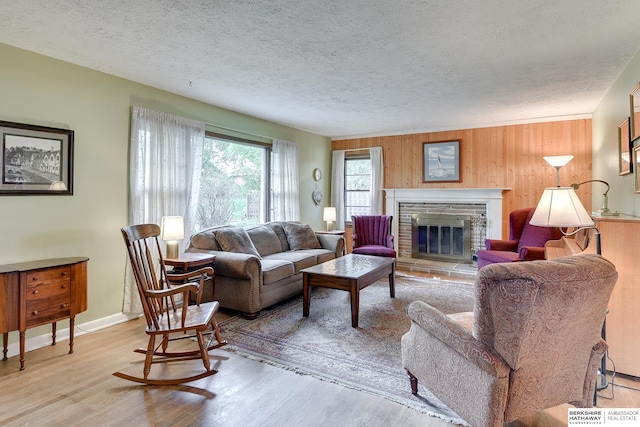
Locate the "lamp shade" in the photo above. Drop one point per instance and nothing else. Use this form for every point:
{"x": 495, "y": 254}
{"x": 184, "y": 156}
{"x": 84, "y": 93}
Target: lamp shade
{"x": 558, "y": 161}
{"x": 329, "y": 214}
{"x": 560, "y": 207}
{"x": 172, "y": 228}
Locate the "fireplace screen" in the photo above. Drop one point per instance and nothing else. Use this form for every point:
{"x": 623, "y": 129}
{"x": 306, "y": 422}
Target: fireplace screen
{"x": 441, "y": 237}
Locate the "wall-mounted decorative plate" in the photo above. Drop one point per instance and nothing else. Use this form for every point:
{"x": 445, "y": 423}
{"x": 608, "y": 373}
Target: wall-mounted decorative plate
{"x": 317, "y": 174}
{"x": 317, "y": 197}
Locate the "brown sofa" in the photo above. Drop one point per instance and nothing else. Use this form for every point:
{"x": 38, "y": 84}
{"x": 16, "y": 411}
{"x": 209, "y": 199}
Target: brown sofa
{"x": 258, "y": 266}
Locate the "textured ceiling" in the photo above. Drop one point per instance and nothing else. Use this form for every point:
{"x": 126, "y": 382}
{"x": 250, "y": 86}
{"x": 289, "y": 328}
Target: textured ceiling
{"x": 349, "y": 67}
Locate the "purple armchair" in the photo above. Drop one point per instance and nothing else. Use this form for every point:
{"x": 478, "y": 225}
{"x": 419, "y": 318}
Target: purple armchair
{"x": 372, "y": 235}
{"x": 526, "y": 241}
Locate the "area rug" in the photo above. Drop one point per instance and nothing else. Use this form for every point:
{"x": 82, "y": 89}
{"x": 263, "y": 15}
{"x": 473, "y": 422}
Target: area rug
{"x": 325, "y": 345}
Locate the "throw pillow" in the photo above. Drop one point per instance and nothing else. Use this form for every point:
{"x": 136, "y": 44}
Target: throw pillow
{"x": 279, "y": 230}
{"x": 264, "y": 239}
{"x": 300, "y": 236}
{"x": 235, "y": 239}
{"x": 205, "y": 240}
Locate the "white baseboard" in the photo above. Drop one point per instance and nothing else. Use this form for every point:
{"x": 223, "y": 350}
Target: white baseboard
{"x": 63, "y": 334}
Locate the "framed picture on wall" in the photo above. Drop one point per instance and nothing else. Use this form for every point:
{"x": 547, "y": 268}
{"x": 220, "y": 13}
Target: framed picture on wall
{"x": 636, "y": 158}
{"x": 634, "y": 112}
{"x": 625, "y": 148}
{"x": 441, "y": 161}
{"x": 36, "y": 160}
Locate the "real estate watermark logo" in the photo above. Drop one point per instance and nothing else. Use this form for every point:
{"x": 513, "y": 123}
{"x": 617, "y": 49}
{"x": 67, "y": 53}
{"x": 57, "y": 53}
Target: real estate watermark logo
{"x": 604, "y": 416}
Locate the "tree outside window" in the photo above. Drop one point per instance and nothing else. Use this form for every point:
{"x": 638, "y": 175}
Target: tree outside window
{"x": 233, "y": 184}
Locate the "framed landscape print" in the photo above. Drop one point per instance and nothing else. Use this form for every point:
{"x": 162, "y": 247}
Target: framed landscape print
{"x": 35, "y": 160}
{"x": 441, "y": 161}
{"x": 625, "y": 148}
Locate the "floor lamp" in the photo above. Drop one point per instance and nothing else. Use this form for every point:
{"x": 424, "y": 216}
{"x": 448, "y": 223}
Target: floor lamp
{"x": 560, "y": 207}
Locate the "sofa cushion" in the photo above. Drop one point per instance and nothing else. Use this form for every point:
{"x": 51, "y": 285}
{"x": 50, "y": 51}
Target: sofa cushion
{"x": 264, "y": 239}
{"x": 300, "y": 236}
{"x": 275, "y": 269}
{"x": 205, "y": 240}
{"x": 235, "y": 239}
{"x": 282, "y": 236}
{"x": 300, "y": 259}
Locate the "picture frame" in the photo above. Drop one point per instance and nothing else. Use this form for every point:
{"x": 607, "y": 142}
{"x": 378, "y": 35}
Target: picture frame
{"x": 636, "y": 157}
{"x": 625, "y": 148}
{"x": 634, "y": 112}
{"x": 36, "y": 160}
{"x": 441, "y": 161}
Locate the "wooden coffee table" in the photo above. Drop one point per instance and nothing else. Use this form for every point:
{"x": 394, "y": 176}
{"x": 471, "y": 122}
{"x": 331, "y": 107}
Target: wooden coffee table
{"x": 348, "y": 273}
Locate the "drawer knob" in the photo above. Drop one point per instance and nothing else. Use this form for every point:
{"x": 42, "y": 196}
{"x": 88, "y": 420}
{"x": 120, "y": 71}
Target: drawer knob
{"x": 63, "y": 305}
{"x": 64, "y": 273}
{"x": 64, "y": 286}
{"x": 35, "y": 292}
{"x": 34, "y": 278}
{"x": 35, "y": 313}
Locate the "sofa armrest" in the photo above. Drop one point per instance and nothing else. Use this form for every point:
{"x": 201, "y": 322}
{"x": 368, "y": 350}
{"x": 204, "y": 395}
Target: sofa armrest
{"x": 458, "y": 338}
{"x": 531, "y": 253}
{"x": 332, "y": 242}
{"x": 233, "y": 264}
{"x": 501, "y": 245}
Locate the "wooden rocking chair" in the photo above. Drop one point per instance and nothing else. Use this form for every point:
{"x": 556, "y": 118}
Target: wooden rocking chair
{"x": 159, "y": 293}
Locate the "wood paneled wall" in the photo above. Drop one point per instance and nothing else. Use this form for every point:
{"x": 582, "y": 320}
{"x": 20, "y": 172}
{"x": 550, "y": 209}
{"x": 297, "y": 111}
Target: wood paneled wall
{"x": 493, "y": 157}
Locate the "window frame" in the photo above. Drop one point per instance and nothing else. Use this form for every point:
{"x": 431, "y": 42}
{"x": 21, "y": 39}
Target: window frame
{"x": 266, "y": 208}
{"x": 349, "y": 157}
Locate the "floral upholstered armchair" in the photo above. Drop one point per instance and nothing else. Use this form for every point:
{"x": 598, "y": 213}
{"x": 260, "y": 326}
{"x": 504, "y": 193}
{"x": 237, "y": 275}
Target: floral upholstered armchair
{"x": 531, "y": 343}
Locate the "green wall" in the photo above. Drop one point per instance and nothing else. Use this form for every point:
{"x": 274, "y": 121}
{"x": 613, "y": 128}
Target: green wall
{"x": 43, "y": 91}
{"x": 612, "y": 111}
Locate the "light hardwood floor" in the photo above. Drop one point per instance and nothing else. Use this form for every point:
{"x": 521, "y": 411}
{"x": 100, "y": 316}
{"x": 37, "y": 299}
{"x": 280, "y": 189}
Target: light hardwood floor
{"x": 58, "y": 389}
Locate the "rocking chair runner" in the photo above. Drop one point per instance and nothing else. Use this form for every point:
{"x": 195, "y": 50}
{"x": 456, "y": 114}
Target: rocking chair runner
{"x": 164, "y": 318}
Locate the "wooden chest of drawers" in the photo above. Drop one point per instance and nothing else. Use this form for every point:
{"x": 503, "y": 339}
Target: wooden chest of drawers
{"x": 41, "y": 292}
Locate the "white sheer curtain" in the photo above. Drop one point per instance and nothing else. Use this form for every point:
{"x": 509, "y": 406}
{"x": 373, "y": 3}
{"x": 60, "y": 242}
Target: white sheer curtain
{"x": 337, "y": 184}
{"x": 285, "y": 178}
{"x": 377, "y": 180}
{"x": 165, "y": 167}
{"x": 337, "y": 187}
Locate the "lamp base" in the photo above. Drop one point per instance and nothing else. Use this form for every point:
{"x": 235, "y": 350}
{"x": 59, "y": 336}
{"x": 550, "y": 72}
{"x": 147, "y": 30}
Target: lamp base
{"x": 602, "y": 381}
{"x": 329, "y": 226}
{"x": 607, "y": 212}
{"x": 172, "y": 249}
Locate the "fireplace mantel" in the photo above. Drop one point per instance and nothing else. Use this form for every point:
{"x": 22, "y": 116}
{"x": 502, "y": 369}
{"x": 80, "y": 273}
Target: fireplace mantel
{"x": 492, "y": 197}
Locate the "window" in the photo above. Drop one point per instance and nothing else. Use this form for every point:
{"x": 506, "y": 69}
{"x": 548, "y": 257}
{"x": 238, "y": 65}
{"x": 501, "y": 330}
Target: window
{"x": 357, "y": 186}
{"x": 234, "y": 182}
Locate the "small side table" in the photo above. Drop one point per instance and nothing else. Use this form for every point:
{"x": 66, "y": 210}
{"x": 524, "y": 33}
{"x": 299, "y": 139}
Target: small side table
{"x": 190, "y": 261}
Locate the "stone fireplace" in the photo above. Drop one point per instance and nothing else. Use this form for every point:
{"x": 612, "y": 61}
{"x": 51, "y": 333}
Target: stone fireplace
{"x": 481, "y": 208}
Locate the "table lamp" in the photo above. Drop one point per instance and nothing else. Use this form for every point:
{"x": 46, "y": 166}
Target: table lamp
{"x": 172, "y": 230}
{"x": 604, "y": 210}
{"x": 329, "y": 216}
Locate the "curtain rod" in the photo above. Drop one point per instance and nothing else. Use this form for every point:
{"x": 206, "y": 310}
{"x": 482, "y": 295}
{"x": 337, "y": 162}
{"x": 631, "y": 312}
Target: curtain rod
{"x": 241, "y": 131}
{"x": 359, "y": 149}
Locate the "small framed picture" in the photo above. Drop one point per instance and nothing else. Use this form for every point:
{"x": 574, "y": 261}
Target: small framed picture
{"x": 636, "y": 158}
{"x": 441, "y": 161}
{"x": 36, "y": 160}
{"x": 625, "y": 148}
